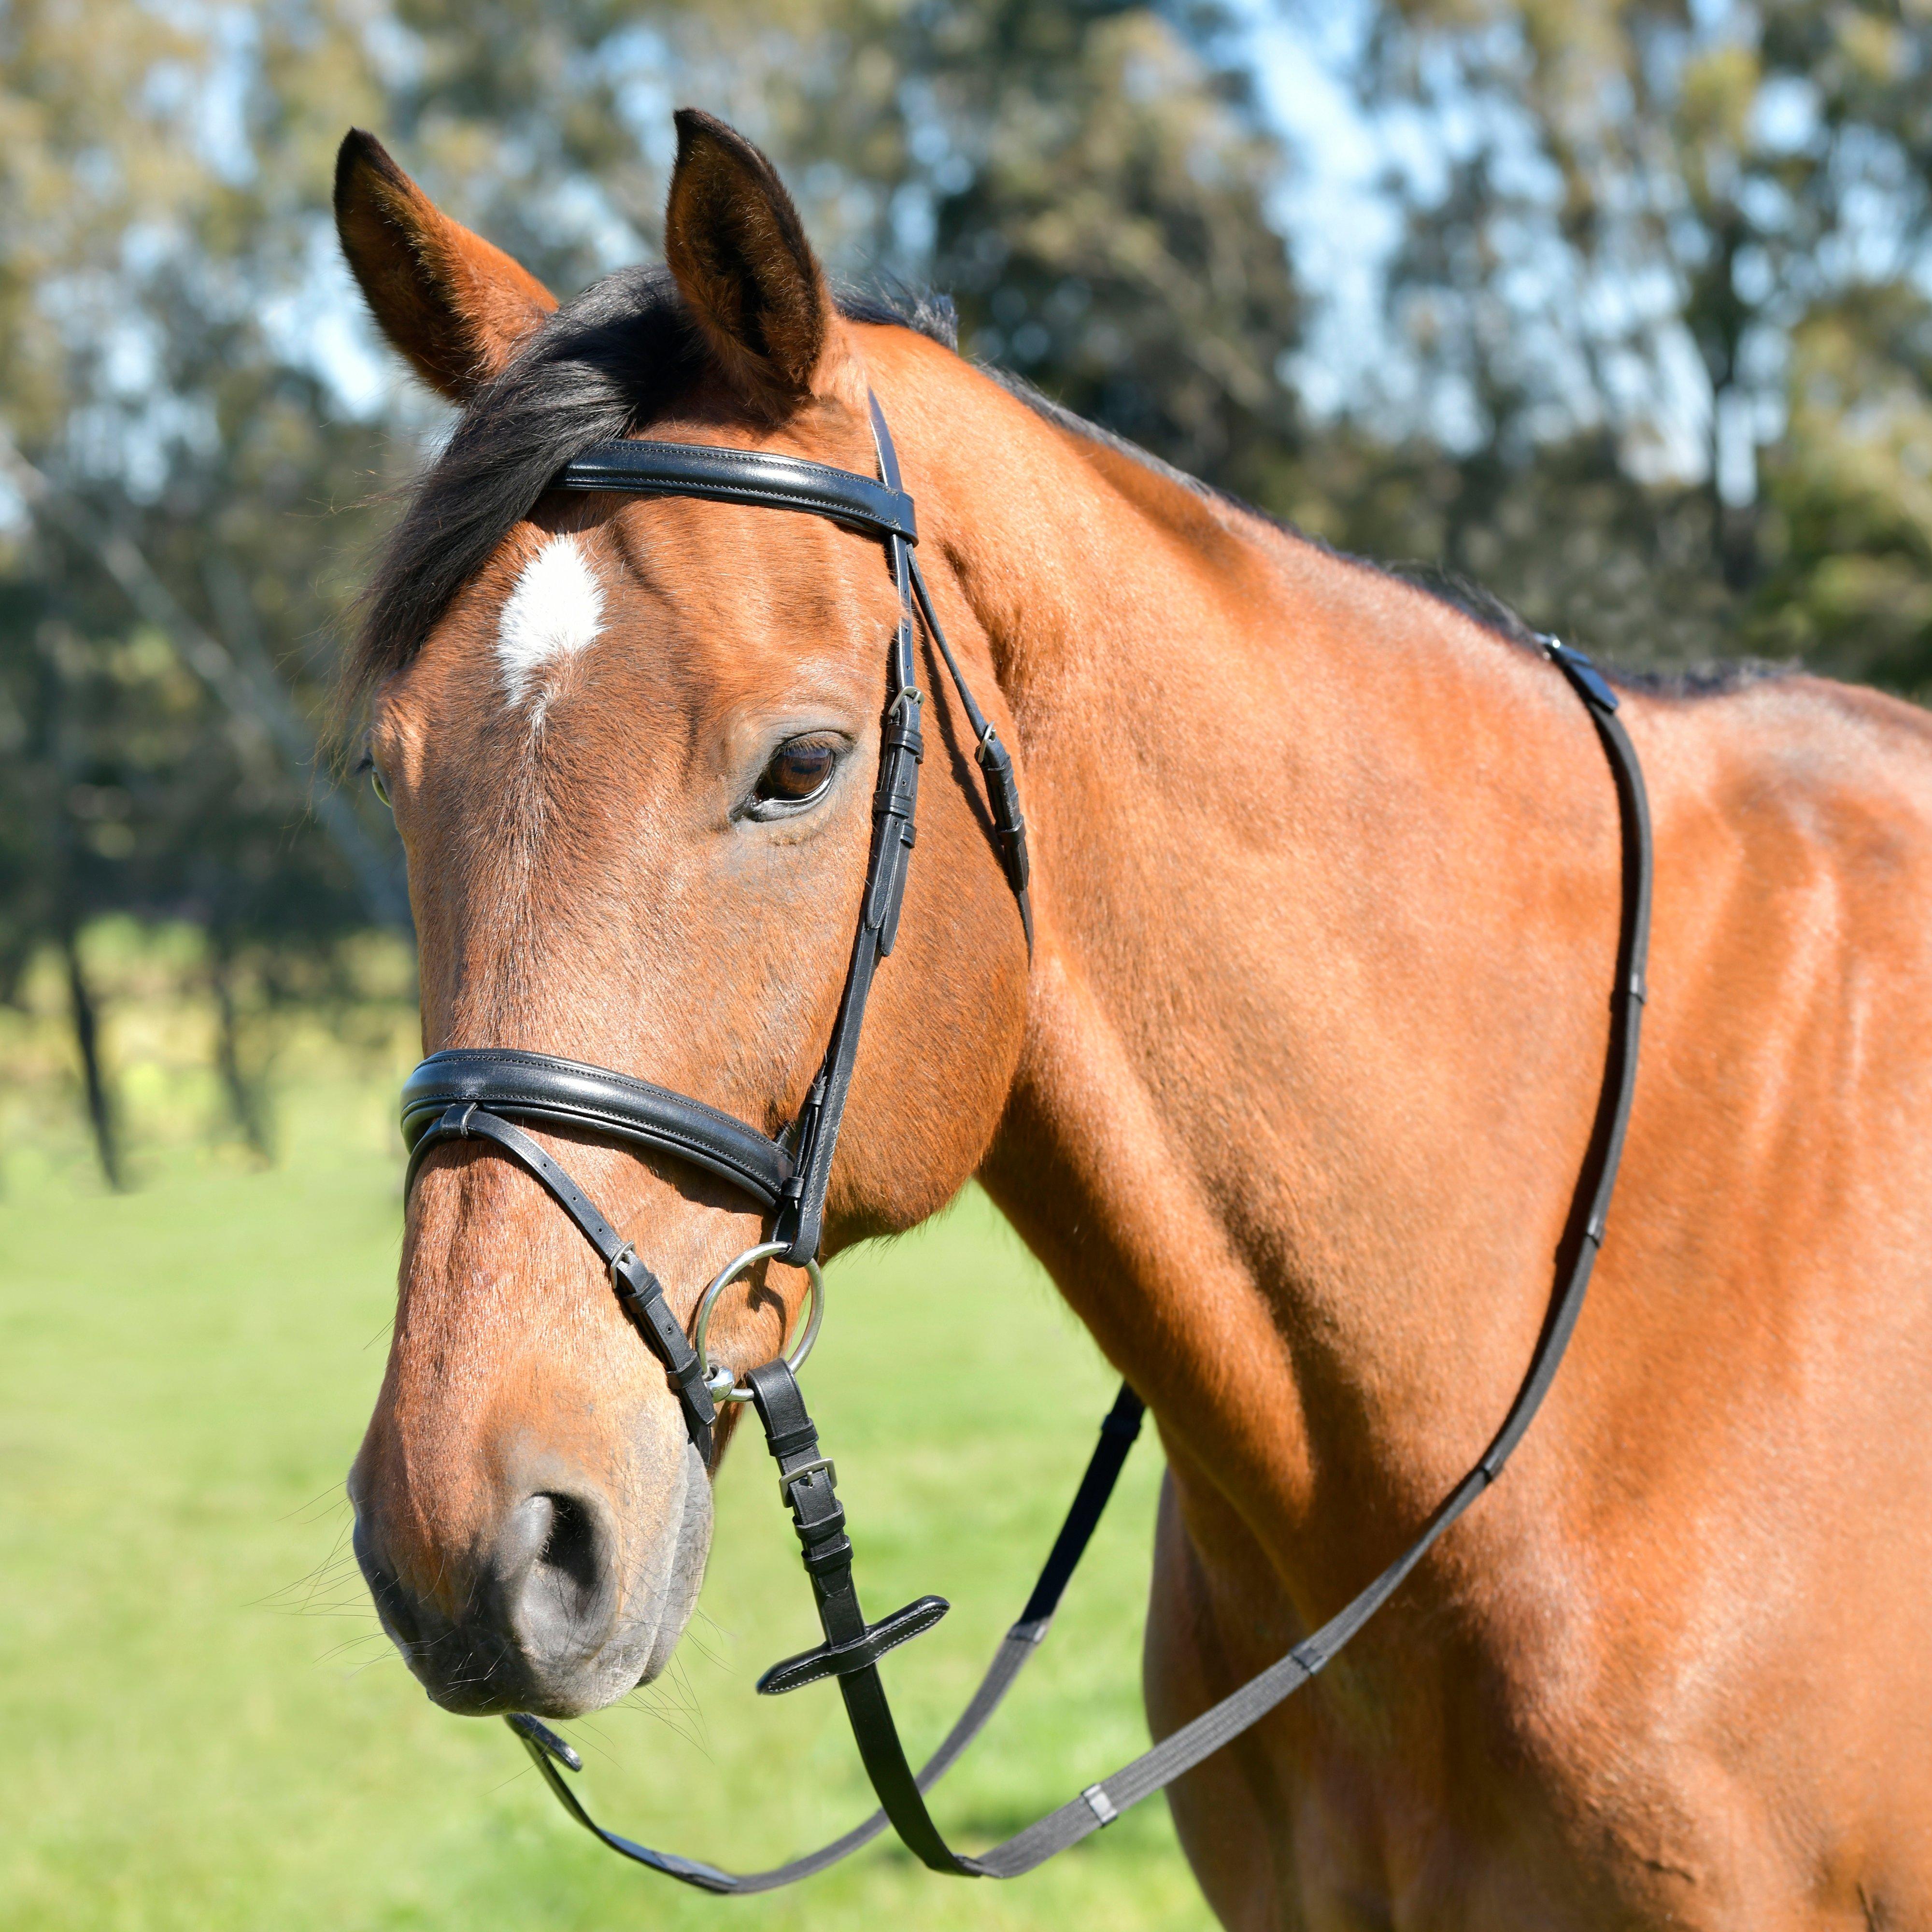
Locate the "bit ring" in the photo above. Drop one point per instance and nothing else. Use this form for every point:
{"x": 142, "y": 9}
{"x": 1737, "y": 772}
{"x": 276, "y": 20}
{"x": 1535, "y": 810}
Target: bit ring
{"x": 719, "y": 1380}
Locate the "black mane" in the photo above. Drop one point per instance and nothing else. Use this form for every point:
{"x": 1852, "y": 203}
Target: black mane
{"x": 621, "y": 353}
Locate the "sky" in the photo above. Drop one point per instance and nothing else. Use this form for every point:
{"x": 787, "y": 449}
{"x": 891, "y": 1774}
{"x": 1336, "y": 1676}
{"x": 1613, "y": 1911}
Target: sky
{"x": 1343, "y": 228}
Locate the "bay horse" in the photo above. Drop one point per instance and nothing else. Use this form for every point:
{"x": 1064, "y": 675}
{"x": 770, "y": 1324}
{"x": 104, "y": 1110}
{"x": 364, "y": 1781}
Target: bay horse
{"x": 1289, "y": 1096}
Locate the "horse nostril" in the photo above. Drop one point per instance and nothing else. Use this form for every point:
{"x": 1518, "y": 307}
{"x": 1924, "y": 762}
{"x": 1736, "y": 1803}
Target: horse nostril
{"x": 562, "y": 1599}
{"x": 571, "y": 1549}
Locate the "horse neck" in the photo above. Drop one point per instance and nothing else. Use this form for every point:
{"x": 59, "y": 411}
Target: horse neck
{"x": 1328, "y": 913}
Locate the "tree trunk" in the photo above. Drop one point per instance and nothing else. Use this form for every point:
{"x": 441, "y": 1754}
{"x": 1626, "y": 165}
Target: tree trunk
{"x": 244, "y": 1095}
{"x": 87, "y": 1037}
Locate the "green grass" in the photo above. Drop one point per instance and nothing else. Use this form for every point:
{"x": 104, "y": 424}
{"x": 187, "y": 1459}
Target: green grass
{"x": 206, "y": 1730}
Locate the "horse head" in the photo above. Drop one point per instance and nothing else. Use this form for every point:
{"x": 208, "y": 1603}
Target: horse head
{"x": 630, "y": 746}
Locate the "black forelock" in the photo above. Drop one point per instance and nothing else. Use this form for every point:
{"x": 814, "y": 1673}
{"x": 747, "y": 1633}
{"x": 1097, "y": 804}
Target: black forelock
{"x": 605, "y": 363}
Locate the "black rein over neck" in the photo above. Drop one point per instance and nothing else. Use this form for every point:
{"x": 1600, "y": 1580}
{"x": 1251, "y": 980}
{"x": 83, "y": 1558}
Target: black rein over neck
{"x": 481, "y": 1093}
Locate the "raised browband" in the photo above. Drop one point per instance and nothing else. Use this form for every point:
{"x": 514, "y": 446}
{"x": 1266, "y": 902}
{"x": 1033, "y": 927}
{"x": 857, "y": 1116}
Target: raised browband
{"x": 552, "y": 1092}
{"x": 757, "y": 477}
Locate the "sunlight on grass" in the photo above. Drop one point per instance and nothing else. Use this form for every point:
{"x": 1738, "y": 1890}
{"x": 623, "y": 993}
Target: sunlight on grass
{"x": 208, "y": 1731}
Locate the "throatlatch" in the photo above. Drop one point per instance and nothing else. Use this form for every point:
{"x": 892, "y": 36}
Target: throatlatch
{"x": 480, "y": 1094}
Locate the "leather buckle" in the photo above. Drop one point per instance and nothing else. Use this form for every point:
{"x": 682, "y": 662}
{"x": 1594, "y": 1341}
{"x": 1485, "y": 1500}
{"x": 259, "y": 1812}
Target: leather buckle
{"x": 804, "y": 1471}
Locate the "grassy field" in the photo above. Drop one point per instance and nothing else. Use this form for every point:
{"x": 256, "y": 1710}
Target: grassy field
{"x": 206, "y": 1730}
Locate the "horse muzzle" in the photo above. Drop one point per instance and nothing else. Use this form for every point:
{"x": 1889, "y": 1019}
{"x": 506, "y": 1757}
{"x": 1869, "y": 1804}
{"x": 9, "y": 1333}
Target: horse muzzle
{"x": 555, "y": 1610}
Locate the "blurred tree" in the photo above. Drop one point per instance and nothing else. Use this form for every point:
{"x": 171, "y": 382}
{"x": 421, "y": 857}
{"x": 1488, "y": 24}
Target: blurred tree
{"x": 1846, "y": 544}
{"x": 1089, "y": 179}
{"x": 170, "y": 460}
{"x": 1102, "y": 218}
{"x": 1661, "y": 245}
{"x": 1660, "y": 311}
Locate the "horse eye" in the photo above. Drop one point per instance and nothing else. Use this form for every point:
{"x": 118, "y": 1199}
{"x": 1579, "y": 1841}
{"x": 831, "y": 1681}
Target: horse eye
{"x": 375, "y": 771}
{"x": 798, "y": 771}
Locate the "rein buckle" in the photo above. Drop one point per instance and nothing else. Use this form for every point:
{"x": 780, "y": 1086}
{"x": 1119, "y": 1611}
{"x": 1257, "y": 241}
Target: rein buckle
{"x": 803, "y": 1471}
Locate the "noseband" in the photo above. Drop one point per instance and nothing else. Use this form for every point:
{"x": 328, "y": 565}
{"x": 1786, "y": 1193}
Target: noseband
{"x": 479, "y": 1094}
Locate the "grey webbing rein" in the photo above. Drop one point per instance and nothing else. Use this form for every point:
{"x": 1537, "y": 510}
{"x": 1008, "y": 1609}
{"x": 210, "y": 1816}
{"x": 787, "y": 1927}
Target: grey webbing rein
{"x": 479, "y": 1094}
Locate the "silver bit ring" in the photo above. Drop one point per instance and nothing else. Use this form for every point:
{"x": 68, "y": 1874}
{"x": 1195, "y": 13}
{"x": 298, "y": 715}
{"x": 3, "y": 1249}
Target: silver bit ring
{"x": 719, "y": 1380}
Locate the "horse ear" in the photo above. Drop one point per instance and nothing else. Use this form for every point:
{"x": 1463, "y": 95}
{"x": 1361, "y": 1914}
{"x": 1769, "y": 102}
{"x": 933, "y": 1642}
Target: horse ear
{"x": 735, "y": 243}
{"x": 455, "y": 306}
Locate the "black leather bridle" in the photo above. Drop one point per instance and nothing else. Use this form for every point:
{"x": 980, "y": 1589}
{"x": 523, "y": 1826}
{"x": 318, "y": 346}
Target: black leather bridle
{"x": 471, "y": 1093}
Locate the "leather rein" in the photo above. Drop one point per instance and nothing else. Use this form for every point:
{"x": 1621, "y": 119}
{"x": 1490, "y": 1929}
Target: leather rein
{"x": 479, "y": 1094}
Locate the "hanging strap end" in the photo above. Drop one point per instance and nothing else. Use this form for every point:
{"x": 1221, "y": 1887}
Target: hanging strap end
{"x": 829, "y": 1660}
{"x": 540, "y": 1737}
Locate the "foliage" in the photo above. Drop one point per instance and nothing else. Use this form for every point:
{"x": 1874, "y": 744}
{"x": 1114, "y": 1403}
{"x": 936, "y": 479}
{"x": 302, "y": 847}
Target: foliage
{"x": 1109, "y": 236}
{"x": 1847, "y": 529}
{"x": 1656, "y": 243}
{"x": 174, "y": 368}
{"x": 158, "y": 204}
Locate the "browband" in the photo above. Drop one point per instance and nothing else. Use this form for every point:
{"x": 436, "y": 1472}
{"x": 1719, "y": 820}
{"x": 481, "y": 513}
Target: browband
{"x": 757, "y": 477}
